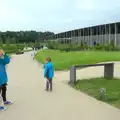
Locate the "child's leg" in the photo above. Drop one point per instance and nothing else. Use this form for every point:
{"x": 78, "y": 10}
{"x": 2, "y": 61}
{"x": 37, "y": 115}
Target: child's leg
{"x": 50, "y": 82}
{"x": 4, "y": 89}
{"x": 1, "y": 99}
{"x": 47, "y": 85}
{"x": 2, "y": 107}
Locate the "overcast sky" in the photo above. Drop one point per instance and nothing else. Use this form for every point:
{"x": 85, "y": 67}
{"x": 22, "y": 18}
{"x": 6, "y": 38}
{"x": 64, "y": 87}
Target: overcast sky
{"x": 56, "y": 15}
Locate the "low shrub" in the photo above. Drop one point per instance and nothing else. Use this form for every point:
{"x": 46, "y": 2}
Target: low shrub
{"x": 82, "y": 46}
{"x": 12, "y": 48}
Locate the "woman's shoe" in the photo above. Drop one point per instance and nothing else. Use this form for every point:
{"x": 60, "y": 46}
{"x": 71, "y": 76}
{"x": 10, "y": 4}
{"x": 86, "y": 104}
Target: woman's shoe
{"x": 2, "y": 108}
{"x": 8, "y": 102}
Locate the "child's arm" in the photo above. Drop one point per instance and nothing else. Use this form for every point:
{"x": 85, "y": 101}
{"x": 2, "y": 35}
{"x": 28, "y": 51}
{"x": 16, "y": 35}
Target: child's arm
{"x": 53, "y": 71}
{"x": 45, "y": 71}
{"x": 6, "y": 59}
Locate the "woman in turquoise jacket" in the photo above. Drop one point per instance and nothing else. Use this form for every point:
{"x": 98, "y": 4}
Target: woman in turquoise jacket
{"x": 49, "y": 73}
{"x": 4, "y": 60}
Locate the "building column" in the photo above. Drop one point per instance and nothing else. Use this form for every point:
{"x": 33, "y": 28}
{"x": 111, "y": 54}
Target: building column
{"x": 88, "y": 37}
{"x": 71, "y": 33}
{"x": 115, "y": 33}
{"x": 80, "y": 35}
{"x": 100, "y": 34}
{"x": 109, "y": 34}
{"x": 74, "y": 37}
{"x": 71, "y": 36}
{"x": 105, "y": 34}
{"x": 64, "y": 38}
{"x": 97, "y": 34}
{"x": 77, "y": 36}
{"x": 57, "y": 37}
{"x": 91, "y": 43}
{"x": 83, "y": 36}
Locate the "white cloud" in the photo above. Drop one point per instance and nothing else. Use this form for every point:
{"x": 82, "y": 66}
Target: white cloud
{"x": 85, "y": 4}
{"x": 56, "y": 15}
{"x": 68, "y": 20}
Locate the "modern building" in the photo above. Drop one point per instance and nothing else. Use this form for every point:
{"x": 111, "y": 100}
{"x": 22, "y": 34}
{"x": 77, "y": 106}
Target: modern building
{"x": 102, "y": 34}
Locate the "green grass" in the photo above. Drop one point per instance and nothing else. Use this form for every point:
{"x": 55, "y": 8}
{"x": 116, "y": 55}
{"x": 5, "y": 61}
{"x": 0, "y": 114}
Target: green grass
{"x": 92, "y": 88}
{"x": 64, "y": 60}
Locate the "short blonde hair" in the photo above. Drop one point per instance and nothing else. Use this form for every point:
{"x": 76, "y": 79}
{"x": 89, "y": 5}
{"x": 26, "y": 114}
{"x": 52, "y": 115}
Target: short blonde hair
{"x": 48, "y": 59}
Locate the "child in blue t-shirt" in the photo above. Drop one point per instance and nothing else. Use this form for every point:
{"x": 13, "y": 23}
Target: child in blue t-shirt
{"x": 49, "y": 73}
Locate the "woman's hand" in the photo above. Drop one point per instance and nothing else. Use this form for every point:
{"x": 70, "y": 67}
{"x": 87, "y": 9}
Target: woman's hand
{"x": 2, "y": 53}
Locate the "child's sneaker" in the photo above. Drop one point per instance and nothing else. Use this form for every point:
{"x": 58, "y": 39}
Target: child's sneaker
{"x": 51, "y": 90}
{"x": 8, "y": 103}
{"x": 46, "y": 90}
{"x": 2, "y": 108}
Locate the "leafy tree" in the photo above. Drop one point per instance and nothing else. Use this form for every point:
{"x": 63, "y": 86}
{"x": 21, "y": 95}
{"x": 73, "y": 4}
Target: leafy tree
{"x": 7, "y": 41}
{"x": 1, "y": 42}
{"x": 13, "y": 40}
{"x": 25, "y": 36}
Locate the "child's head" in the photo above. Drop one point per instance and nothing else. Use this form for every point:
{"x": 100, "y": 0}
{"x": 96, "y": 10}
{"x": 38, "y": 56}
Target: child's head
{"x": 48, "y": 59}
{"x": 1, "y": 53}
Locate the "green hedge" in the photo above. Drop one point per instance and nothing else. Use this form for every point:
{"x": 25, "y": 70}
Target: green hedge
{"x": 12, "y": 48}
{"x": 20, "y": 46}
{"x": 108, "y": 47}
{"x": 82, "y": 46}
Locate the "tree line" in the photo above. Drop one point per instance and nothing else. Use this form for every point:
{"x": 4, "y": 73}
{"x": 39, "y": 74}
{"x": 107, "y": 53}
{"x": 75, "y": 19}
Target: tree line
{"x": 10, "y": 37}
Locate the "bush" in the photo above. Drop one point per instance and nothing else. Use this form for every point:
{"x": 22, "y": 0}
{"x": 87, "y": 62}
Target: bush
{"x": 12, "y": 48}
{"x": 98, "y": 47}
{"x": 20, "y": 46}
{"x": 50, "y": 45}
{"x": 64, "y": 47}
{"x": 37, "y": 45}
{"x": 30, "y": 45}
{"x": 108, "y": 47}
{"x": 82, "y": 46}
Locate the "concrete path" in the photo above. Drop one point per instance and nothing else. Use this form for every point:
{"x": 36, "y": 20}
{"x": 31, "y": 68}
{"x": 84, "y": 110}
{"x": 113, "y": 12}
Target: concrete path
{"x": 31, "y": 102}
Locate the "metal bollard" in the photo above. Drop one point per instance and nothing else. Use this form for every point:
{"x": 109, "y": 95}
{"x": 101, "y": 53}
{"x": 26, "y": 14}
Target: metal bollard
{"x": 73, "y": 75}
{"x": 103, "y": 94}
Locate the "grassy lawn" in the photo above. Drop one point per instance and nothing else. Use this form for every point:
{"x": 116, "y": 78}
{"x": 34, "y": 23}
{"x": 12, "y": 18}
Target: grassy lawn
{"x": 92, "y": 88}
{"x": 64, "y": 60}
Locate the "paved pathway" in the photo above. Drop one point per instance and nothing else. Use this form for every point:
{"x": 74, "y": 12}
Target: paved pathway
{"x": 31, "y": 102}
